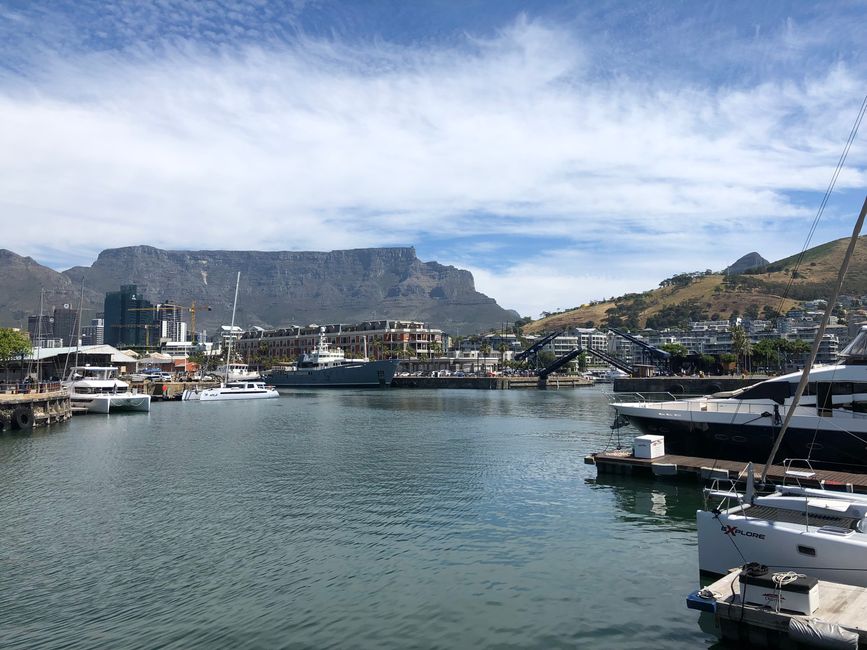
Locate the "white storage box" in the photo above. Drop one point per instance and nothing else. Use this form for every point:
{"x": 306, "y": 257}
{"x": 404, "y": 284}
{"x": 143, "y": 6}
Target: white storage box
{"x": 801, "y": 595}
{"x": 649, "y": 446}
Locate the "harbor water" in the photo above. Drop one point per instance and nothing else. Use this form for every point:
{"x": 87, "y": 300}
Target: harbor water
{"x": 342, "y": 519}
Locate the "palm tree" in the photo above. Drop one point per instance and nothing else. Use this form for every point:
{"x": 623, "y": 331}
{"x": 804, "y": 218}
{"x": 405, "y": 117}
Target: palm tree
{"x": 741, "y": 345}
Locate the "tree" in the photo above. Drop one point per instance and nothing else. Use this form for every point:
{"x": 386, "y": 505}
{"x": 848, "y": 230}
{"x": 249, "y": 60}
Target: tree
{"x": 741, "y": 344}
{"x": 768, "y": 350}
{"x": 769, "y": 313}
{"x": 14, "y": 344}
{"x": 751, "y": 311}
{"x": 727, "y": 360}
{"x": 675, "y": 349}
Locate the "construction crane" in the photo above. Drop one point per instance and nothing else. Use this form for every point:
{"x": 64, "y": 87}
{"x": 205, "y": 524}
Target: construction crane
{"x": 147, "y": 328}
{"x": 191, "y": 308}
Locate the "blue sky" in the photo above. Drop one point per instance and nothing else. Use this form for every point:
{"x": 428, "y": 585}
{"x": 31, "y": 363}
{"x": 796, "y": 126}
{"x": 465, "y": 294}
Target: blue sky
{"x": 561, "y": 151}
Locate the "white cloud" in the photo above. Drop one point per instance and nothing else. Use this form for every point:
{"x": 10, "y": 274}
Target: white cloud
{"x": 323, "y": 146}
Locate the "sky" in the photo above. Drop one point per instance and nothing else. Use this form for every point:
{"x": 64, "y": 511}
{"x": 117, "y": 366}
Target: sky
{"x": 562, "y": 152}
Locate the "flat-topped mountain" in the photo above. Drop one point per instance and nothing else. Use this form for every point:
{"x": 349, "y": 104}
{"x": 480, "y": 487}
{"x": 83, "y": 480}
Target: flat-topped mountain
{"x": 277, "y": 288}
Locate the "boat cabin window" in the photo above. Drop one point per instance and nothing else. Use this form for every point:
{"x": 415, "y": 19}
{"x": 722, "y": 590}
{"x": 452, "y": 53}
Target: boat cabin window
{"x": 830, "y": 395}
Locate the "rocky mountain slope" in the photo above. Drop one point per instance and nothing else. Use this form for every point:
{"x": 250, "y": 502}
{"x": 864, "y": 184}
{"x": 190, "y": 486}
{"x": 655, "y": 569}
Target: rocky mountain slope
{"x": 747, "y": 263}
{"x": 277, "y": 288}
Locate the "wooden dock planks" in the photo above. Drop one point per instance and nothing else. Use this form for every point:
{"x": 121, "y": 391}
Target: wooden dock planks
{"x": 620, "y": 462}
{"x": 839, "y": 604}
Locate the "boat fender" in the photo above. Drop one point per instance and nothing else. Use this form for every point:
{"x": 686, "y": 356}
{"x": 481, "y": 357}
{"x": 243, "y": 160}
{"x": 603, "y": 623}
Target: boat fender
{"x": 819, "y": 634}
{"x": 22, "y": 417}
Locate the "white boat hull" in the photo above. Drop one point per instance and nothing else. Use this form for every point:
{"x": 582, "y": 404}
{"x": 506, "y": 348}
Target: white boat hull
{"x": 229, "y": 393}
{"x": 114, "y": 403}
{"x": 727, "y": 541}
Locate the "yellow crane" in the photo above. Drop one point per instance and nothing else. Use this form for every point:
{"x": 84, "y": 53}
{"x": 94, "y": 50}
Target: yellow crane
{"x": 191, "y": 308}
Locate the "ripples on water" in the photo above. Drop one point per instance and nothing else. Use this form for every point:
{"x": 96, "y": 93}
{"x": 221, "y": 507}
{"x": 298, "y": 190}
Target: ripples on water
{"x": 344, "y": 519}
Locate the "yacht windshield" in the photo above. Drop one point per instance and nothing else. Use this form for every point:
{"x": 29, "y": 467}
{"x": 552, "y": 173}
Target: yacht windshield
{"x": 856, "y": 351}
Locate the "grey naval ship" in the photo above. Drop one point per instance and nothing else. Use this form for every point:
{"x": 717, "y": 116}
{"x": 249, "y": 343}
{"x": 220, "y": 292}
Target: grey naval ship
{"x": 327, "y": 366}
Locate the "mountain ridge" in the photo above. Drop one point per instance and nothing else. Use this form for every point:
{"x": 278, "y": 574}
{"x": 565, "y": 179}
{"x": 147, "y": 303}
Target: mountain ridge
{"x": 277, "y": 288}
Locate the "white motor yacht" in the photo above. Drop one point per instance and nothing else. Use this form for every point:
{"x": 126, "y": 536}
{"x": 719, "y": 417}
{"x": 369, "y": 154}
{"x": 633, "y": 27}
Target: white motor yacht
{"x": 99, "y": 390}
{"x": 236, "y": 372}
{"x": 828, "y": 425}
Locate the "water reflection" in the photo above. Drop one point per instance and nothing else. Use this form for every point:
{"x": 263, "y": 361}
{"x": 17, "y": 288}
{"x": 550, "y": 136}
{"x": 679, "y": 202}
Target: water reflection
{"x": 648, "y": 502}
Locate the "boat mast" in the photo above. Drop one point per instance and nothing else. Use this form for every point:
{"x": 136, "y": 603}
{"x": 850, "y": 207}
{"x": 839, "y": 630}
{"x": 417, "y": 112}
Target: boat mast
{"x": 77, "y": 334}
{"x": 232, "y": 327}
{"x": 805, "y": 375}
{"x": 39, "y": 337}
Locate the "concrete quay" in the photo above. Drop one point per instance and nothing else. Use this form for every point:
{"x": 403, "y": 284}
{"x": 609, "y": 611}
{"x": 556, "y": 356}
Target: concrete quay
{"x": 489, "y": 383}
{"x": 22, "y": 411}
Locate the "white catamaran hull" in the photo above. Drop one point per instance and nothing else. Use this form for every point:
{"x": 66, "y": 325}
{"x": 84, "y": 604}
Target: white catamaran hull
{"x": 113, "y": 403}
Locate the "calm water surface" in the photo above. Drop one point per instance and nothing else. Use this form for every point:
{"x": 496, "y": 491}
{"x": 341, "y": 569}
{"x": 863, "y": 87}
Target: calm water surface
{"x": 342, "y": 519}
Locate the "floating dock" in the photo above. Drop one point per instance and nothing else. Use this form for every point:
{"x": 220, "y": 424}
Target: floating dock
{"x": 672, "y": 466}
{"x": 837, "y": 621}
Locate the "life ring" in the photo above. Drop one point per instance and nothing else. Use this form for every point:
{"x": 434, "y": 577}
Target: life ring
{"x": 714, "y": 388}
{"x": 676, "y": 389}
{"x": 22, "y": 418}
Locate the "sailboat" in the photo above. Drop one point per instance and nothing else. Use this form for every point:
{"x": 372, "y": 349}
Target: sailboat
{"x": 232, "y": 390}
{"x": 818, "y": 532}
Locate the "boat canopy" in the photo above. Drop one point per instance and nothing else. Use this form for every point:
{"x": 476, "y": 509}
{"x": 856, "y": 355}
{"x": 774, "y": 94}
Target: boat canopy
{"x": 856, "y": 351}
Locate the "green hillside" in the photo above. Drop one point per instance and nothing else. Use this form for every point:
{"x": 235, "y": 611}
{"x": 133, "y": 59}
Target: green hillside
{"x": 701, "y": 296}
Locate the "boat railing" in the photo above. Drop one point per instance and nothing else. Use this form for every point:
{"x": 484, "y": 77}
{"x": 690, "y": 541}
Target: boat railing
{"x": 721, "y": 493}
{"x": 639, "y": 398}
{"x": 29, "y": 387}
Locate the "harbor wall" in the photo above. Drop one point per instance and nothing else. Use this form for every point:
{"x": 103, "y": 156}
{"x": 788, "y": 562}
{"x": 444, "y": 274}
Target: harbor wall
{"x": 684, "y": 385}
{"x": 20, "y": 412}
{"x": 488, "y": 383}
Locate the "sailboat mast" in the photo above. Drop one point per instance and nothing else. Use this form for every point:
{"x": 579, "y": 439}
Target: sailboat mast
{"x": 39, "y": 338}
{"x": 805, "y": 375}
{"x": 232, "y": 327}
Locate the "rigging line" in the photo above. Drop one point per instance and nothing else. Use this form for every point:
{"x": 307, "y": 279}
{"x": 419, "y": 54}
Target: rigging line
{"x": 737, "y": 548}
{"x": 852, "y": 133}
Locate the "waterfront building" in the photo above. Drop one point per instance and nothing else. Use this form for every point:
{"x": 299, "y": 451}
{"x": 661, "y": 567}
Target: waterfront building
{"x": 170, "y": 322}
{"x": 381, "y": 339}
{"x": 93, "y": 334}
{"x": 710, "y": 326}
{"x": 128, "y": 318}
{"x": 40, "y": 329}
{"x": 66, "y": 324}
